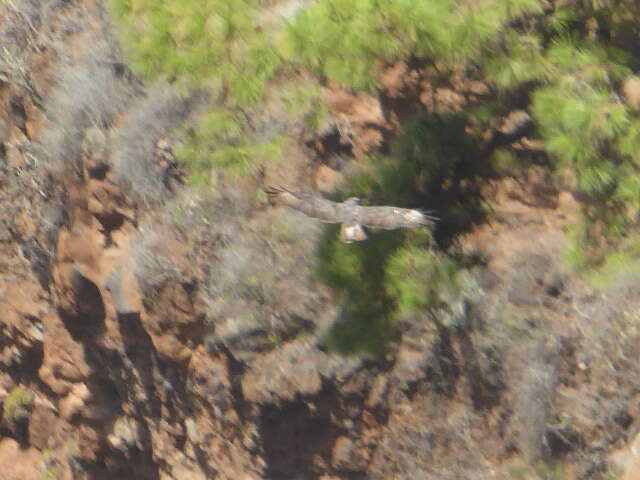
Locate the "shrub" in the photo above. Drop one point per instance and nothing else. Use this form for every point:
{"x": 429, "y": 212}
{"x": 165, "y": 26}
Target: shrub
{"x": 253, "y": 273}
{"x": 424, "y": 281}
{"x": 254, "y": 270}
{"x": 356, "y": 272}
{"x": 220, "y": 46}
{"x": 565, "y": 65}
{"x": 152, "y": 271}
{"x": 196, "y": 43}
{"x": 349, "y": 41}
{"x": 221, "y": 140}
{"x": 18, "y": 37}
{"x": 17, "y": 404}
{"x": 237, "y": 50}
{"x": 87, "y": 95}
{"x": 616, "y": 269}
{"x": 533, "y": 408}
{"x": 574, "y": 70}
{"x": 396, "y": 275}
{"x": 589, "y": 131}
{"x": 150, "y": 119}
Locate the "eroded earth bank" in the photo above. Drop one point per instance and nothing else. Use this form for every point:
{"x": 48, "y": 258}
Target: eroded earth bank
{"x": 151, "y": 332}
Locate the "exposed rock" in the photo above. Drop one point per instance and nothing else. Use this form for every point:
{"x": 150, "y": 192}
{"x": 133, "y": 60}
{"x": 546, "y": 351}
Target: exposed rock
{"x": 398, "y": 81}
{"x": 107, "y": 203}
{"x": 182, "y": 472}
{"x": 124, "y": 436}
{"x": 20, "y": 327}
{"x": 89, "y": 442}
{"x": 297, "y": 368}
{"x": 378, "y": 392}
{"x": 359, "y": 118}
{"x": 75, "y": 401}
{"x": 346, "y": 455}
{"x": 18, "y": 463}
{"x": 284, "y": 374}
{"x": 96, "y": 151}
{"x": 42, "y": 423}
{"x": 64, "y": 358}
{"x": 192, "y": 430}
{"x": 627, "y": 460}
{"x": 515, "y": 123}
{"x": 76, "y": 276}
{"x": 442, "y": 99}
{"x": 631, "y": 92}
{"x": 123, "y": 288}
{"x": 477, "y": 87}
{"x": 416, "y": 354}
{"x": 328, "y": 179}
{"x": 171, "y": 348}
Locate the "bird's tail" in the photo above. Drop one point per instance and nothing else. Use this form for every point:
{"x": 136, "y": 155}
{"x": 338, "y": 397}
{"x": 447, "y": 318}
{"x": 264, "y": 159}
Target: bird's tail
{"x": 430, "y": 218}
{"x": 420, "y": 217}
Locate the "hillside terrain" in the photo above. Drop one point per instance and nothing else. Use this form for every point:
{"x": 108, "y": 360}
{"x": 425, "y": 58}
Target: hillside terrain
{"x": 159, "y": 319}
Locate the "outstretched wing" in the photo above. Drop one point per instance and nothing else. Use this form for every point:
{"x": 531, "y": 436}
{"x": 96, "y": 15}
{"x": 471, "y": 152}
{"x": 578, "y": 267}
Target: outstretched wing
{"x": 323, "y": 210}
{"x": 389, "y": 218}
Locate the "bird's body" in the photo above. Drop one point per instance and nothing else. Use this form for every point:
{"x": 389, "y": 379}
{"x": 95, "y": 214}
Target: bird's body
{"x": 350, "y": 214}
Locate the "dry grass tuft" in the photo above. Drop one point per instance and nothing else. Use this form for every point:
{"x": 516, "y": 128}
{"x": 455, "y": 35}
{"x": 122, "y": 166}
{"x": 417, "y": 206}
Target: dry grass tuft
{"x": 150, "y": 120}
{"x": 152, "y": 271}
{"x": 87, "y": 95}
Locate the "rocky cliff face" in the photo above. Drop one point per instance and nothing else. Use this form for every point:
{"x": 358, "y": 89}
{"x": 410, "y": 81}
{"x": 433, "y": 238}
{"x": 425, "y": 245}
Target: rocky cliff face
{"x": 147, "y": 332}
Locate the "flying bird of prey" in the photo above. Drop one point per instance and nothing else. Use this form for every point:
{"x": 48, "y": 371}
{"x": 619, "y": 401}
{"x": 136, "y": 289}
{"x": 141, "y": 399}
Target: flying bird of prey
{"x": 350, "y": 213}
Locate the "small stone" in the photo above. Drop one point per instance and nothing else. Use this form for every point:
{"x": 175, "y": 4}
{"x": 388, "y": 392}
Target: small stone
{"x": 124, "y": 295}
{"x": 378, "y": 392}
{"x": 631, "y": 92}
{"x": 125, "y": 434}
{"x": 192, "y": 430}
{"x": 75, "y": 401}
{"x": 328, "y": 179}
{"x": 345, "y": 455}
{"x": 18, "y": 463}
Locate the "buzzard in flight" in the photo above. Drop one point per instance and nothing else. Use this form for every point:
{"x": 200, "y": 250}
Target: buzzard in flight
{"x": 350, "y": 214}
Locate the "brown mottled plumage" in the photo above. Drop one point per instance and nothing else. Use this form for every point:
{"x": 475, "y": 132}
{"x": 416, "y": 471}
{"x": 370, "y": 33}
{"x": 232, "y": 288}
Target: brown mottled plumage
{"x": 350, "y": 214}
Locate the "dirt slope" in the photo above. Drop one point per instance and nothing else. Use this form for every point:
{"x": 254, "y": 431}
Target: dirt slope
{"x": 126, "y": 350}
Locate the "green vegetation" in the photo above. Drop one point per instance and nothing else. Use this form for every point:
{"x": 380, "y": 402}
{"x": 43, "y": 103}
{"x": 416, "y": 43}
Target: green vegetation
{"x": 573, "y": 63}
{"x": 403, "y": 275}
{"x": 17, "y": 404}
{"x": 548, "y": 470}
{"x": 349, "y": 40}
{"x": 213, "y": 45}
{"x": 423, "y": 281}
{"x": 199, "y": 43}
{"x": 238, "y": 49}
{"x": 591, "y": 133}
{"x": 617, "y": 267}
{"x": 565, "y": 65}
{"x": 50, "y": 473}
{"x": 357, "y": 272}
{"x": 48, "y": 469}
